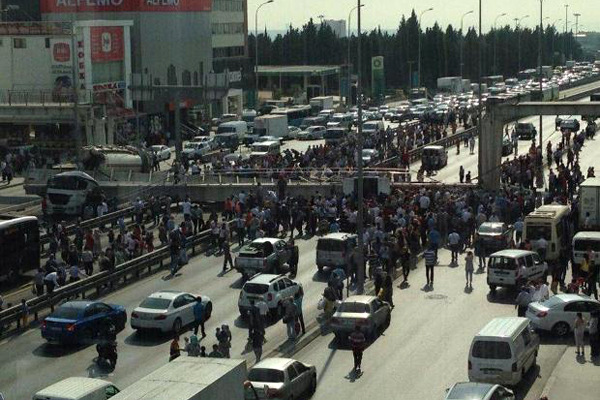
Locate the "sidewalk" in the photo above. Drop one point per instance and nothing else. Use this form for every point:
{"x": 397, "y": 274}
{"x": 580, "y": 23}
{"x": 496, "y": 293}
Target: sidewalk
{"x": 574, "y": 377}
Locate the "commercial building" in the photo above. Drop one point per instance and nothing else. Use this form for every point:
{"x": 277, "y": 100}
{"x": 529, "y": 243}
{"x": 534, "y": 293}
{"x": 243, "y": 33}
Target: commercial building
{"x": 191, "y": 53}
{"x": 338, "y": 26}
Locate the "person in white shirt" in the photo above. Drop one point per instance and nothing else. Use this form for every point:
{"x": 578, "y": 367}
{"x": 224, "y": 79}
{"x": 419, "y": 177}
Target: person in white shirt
{"x": 541, "y": 247}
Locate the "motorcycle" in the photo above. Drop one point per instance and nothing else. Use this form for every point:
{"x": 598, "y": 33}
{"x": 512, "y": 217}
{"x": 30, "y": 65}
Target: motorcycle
{"x": 107, "y": 354}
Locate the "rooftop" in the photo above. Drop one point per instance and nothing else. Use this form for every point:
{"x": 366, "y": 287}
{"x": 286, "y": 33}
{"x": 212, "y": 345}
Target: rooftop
{"x": 298, "y": 70}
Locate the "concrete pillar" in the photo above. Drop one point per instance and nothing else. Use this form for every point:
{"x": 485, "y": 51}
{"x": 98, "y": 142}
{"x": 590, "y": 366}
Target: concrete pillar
{"x": 225, "y": 104}
{"x": 490, "y": 140}
{"x": 99, "y": 132}
{"x": 305, "y": 84}
{"x": 323, "y": 85}
{"x": 89, "y": 133}
{"x": 110, "y": 130}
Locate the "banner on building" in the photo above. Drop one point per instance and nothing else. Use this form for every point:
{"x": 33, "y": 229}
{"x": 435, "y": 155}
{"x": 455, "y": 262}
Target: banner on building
{"x": 377, "y": 77}
{"x": 70, "y": 6}
{"x": 61, "y": 66}
{"x": 107, "y": 43}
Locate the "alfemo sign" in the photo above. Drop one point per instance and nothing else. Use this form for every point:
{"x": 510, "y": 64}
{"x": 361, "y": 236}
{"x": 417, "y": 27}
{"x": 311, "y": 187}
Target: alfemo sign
{"x": 58, "y": 6}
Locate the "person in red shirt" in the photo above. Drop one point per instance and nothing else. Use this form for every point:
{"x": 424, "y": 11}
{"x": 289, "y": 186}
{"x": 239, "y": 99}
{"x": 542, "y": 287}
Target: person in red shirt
{"x": 357, "y": 342}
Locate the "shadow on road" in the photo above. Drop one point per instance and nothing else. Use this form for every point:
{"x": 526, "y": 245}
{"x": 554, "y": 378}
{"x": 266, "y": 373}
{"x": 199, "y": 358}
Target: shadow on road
{"x": 522, "y": 389}
{"x": 502, "y": 296}
{"x": 48, "y": 350}
{"x": 147, "y": 339}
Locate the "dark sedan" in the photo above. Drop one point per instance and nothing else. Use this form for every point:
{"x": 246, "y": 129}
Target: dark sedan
{"x": 493, "y": 236}
{"x": 82, "y": 321}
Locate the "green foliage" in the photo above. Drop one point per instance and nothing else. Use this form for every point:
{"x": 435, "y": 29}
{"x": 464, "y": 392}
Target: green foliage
{"x": 440, "y": 50}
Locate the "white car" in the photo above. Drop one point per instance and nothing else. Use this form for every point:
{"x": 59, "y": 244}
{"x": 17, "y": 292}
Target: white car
{"x": 293, "y": 132}
{"x": 195, "y": 150}
{"x": 312, "y": 133}
{"x": 168, "y": 311}
{"x": 369, "y": 155}
{"x": 271, "y": 289}
{"x": 209, "y": 140}
{"x": 162, "y": 152}
{"x": 558, "y": 313}
{"x": 478, "y": 391}
{"x": 268, "y": 139}
{"x": 279, "y": 379}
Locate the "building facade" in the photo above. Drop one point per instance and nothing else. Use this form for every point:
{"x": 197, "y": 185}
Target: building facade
{"x": 338, "y": 26}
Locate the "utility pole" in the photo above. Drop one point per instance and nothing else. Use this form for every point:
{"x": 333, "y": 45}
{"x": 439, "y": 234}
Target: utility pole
{"x": 566, "y": 43}
{"x": 540, "y": 64}
{"x": 77, "y": 130}
{"x": 462, "y": 40}
{"x": 256, "y": 51}
{"x": 480, "y": 105}
{"x": 360, "y": 273}
{"x": 349, "y": 99}
{"x": 576, "y": 15}
{"x": 419, "y": 33}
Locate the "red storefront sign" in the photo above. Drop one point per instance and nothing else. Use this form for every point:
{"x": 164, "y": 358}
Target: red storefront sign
{"x": 107, "y": 43}
{"x": 61, "y": 52}
{"x": 69, "y": 6}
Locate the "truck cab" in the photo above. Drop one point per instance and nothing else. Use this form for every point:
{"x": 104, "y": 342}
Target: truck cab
{"x": 69, "y": 192}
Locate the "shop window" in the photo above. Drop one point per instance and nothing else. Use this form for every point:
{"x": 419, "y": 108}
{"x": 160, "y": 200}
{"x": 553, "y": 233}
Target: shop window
{"x": 19, "y": 43}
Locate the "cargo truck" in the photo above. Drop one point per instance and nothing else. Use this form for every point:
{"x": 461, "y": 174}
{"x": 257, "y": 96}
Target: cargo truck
{"x": 317, "y": 104}
{"x": 450, "y": 84}
{"x": 589, "y": 204}
{"x": 191, "y": 378}
{"x": 269, "y": 125}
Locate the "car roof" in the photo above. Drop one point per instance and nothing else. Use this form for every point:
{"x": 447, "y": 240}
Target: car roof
{"x": 266, "y": 279}
{"x": 470, "y": 390}
{"x": 267, "y": 142}
{"x": 570, "y": 297}
{"x": 338, "y": 235}
{"x": 434, "y": 147}
{"x": 502, "y": 327}
{"x": 166, "y": 294}
{"x": 587, "y": 235}
{"x": 274, "y": 363}
{"x": 493, "y": 224}
{"x": 513, "y": 253}
{"x": 266, "y": 240}
{"x": 73, "y": 386}
{"x": 359, "y": 299}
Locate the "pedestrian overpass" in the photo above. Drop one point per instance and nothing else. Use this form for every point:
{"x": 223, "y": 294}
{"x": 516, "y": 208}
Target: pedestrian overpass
{"x": 497, "y": 115}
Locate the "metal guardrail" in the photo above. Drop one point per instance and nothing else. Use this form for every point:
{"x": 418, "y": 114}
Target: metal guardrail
{"x": 122, "y": 274}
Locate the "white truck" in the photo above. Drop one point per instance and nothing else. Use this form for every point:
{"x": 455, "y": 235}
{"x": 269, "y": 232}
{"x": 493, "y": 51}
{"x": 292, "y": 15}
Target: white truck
{"x": 78, "y": 388}
{"x": 191, "y": 378}
{"x": 118, "y": 158}
{"x": 589, "y": 204}
{"x": 269, "y": 125}
{"x": 450, "y": 84}
{"x": 321, "y": 103}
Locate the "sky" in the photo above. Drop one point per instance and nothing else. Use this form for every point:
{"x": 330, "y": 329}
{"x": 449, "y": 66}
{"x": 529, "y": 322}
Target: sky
{"x": 387, "y": 13}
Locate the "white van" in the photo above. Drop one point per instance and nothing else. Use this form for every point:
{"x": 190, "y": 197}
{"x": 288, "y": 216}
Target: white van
{"x": 373, "y": 127}
{"x": 553, "y": 223}
{"x": 239, "y": 127}
{"x": 503, "y": 351}
{"x": 333, "y": 250}
{"x": 341, "y": 121}
{"x": 504, "y": 268}
{"x": 263, "y": 149}
{"x": 582, "y": 241}
{"x": 78, "y": 388}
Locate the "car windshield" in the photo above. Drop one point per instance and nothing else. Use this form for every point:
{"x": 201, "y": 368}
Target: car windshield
{"x": 330, "y": 245}
{"x": 156, "y": 303}
{"x": 260, "y": 149}
{"x": 534, "y": 232}
{"x": 266, "y": 375}
{"x": 65, "y": 313}
{"x": 471, "y": 391}
{"x": 491, "y": 350}
{"x": 506, "y": 263}
{"x": 485, "y": 228}
{"x": 256, "y": 288}
{"x": 67, "y": 183}
{"x": 156, "y": 148}
{"x": 584, "y": 244}
{"x": 352, "y": 307}
{"x": 191, "y": 145}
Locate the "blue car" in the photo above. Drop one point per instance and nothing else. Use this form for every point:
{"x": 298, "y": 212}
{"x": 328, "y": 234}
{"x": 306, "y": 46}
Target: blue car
{"x": 82, "y": 321}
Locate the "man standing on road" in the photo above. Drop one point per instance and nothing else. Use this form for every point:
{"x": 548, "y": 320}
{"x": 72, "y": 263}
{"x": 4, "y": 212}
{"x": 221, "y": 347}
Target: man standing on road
{"x": 298, "y": 303}
{"x": 357, "y": 342}
{"x": 522, "y": 301}
{"x": 293, "y": 258}
{"x": 257, "y": 343}
{"x": 430, "y": 261}
{"x": 199, "y": 316}
{"x": 226, "y": 248}
{"x": 453, "y": 242}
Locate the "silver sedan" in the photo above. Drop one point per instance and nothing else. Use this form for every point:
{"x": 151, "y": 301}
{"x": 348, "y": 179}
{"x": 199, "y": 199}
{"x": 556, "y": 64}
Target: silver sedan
{"x": 372, "y": 315}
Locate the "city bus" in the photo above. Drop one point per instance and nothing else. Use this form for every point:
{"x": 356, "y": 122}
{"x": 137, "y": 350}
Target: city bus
{"x": 295, "y": 115}
{"x": 19, "y": 245}
{"x": 552, "y": 223}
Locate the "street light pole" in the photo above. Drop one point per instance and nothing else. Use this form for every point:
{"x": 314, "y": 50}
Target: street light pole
{"x": 576, "y": 15}
{"x": 419, "y": 33}
{"x": 566, "y": 44}
{"x": 256, "y": 51}
{"x": 349, "y": 98}
{"x": 360, "y": 273}
{"x": 540, "y": 63}
{"x": 480, "y": 105}
{"x": 518, "y": 27}
{"x": 554, "y": 34}
{"x": 495, "y": 39}
{"x": 462, "y": 36}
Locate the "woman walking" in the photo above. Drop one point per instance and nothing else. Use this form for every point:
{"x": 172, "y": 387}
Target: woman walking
{"x": 469, "y": 269}
{"x": 578, "y": 332}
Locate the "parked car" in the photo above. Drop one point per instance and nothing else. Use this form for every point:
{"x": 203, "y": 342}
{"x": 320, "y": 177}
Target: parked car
{"x": 162, "y": 152}
{"x": 312, "y": 133}
{"x": 195, "y": 150}
{"x": 268, "y": 139}
{"x": 293, "y": 132}
{"x": 368, "y": 312}
{"x": 507, "y": 147}
{"x": 369, "y": 156}
{"x": 281, "y": 378}
{"x": 81, "y": 321}
{"x": 558, "y": 313}
{"x": 493, "y": 236}
{"x": 168, "y": 311}
{"x": 478, "y": 391}
{"x": 525, "y": 130}
{"x": 266, "y": 255}
{"x": 272, "y": 289}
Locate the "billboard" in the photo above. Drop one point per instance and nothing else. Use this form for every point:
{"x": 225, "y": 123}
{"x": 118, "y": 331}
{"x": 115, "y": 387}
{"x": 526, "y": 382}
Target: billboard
{"x": 377, "y": 77}
{"x": 107, "y": 43}
{"x": 69, "y": 6}
{"x": 61, "y": 64}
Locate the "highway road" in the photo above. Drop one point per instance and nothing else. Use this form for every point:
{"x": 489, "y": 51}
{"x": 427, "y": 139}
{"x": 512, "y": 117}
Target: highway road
{"x": 429, "y": 335}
